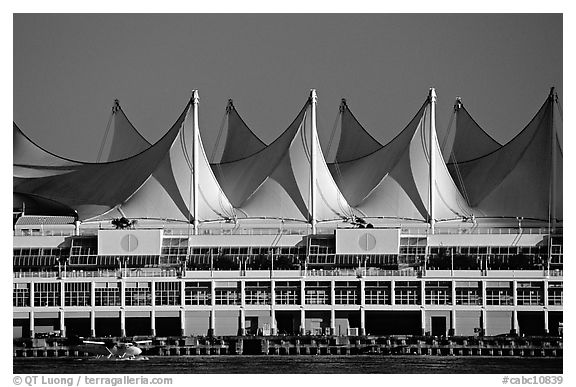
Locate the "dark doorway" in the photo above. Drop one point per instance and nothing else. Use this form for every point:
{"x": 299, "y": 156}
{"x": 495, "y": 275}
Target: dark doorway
{"x": 168, "y": 326}
{"x": 138, "y": 326}
{"x": 393, "y": 323}
{"x": 107, "y": 326}
{"x": 251, "y": 325}
{"x": 438, "y": 325}
{"x": 531, "y": 323}
{"x": 77, "y": 327}
{"x": 287, "y": 322}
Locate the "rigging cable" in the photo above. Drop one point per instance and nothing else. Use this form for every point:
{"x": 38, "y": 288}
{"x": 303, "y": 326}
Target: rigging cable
{"x": 106, "y": 134}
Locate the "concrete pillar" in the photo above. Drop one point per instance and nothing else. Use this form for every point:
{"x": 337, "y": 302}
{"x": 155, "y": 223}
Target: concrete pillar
{"x": 31, "y": 317}
{"x": 545, "y": 293}
{"x": 122, "y": 294}
{"x": 242, "y": 293}
{"x": 453, "y": 295}
{"x": 452, "y": 330}
{"x": 153, "y": 292}
{"x": 93, "y": 294}
{"x": 362, "y": 321}
{"x": 515, "y": 293}
{"x": 153, "y": 322}
{"x": 483, "y": 292}
{"x": 422, "y": 292}
{"x": 515, "y": 328}
{"x": 62, "y": 323}
{"x": 273, "y": 330}
{"x": 423, "y": 320}
{"x": 302, "y": 292}
{"x": 182, "y": 293}
{"x": 122, "y": 322}
{"x": 213, "y": 292}
{"x": 182, "y": 322}
{"x": 62, "y": 292}
{"x": 362, "y": 292}
{"x": 302, "y": 321}
{"x": 483, "y": 321}
{"x": 212, "y": 323}
{"x": 242, "y": 330}
{"x": 92, "y": 323}
{"x": 31, "y": 284}
{"x": 332, "y": 292}
{"x": 332, "y": 321}
{"x": 546, "y": 328}
{"x": 392, "y": 292}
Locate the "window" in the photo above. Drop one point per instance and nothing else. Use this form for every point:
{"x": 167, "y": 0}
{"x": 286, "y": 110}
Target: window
{"x": 377, "y": 293}
{"x": 197, "y": 293}
{"x": 47, "y": 294}
{"x": 317, "y": 293}
{"x": 555, "y": 293}
{"x": 346, "y": 293}
{"x": 257, "y": 293}
{"x": 21, "y": 295}
{"x": 107, "y": 294}
{"x": 138, "y": 294}
{"x": 438, "y": 293}
{"x": 167, "y": 293}
{"x": 407, "y": 293}
{"x": 77, "y": 294}
{"x": 287, "y": 293}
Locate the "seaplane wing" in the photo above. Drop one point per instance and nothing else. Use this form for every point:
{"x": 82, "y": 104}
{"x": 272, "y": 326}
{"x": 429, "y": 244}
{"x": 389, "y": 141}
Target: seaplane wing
{"x": 95, "y": 347}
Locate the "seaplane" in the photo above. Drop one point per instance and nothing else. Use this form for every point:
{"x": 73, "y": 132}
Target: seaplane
{"x": 112, "y": 350}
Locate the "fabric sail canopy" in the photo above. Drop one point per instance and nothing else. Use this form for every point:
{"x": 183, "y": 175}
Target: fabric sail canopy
{"x": 124, "y": 139}
{"x": 274, "y": 182}
{"x": 240, "y": 141}
{"x": 152, "y": 184}
{"x": 468, "y": 140}
{"x": 393, "y": 181}
{"x": 522, "y": 178}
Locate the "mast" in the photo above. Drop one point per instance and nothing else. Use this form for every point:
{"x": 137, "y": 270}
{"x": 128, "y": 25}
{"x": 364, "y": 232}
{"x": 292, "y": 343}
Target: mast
{"x": 313, "y": 141}
{"x": 431, "y": 140}
{"x": 553, "y": 161}
{"x": 196, "y": 135}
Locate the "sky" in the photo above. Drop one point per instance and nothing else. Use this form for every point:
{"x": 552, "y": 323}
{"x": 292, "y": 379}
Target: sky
{"x": 68, "y": 69}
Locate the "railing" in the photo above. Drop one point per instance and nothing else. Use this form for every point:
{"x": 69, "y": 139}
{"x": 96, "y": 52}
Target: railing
{"x": 295, "y": 231}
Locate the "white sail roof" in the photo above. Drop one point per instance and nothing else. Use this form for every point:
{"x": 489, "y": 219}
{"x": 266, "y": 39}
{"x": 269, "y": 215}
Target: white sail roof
{"x": 393, "y": 181}
{"x": 275, "y": 181}
{"x": 523, "y": 178}
{"x": 154, "y": 184}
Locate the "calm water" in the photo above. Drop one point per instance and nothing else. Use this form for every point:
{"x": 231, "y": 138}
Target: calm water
{"x": 293, "y": 365}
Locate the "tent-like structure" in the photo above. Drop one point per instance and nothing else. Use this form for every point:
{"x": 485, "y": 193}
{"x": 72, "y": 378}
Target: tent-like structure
{"x": 288, "y": 180}
{"x": 393, "y": 181}
{"x": 276, "y": 181}
{"x": 30, "y": 160}
{"x": 240, "y": 141}
{"x": 468, "y": 141}
{"x": 520, "y": 179}
{"x": 125, "y": 140}
{"x": 157, "y": 183}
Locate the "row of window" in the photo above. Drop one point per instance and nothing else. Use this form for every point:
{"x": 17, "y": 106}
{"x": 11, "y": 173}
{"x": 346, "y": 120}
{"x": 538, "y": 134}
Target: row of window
{"x": 198, "y": 293}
